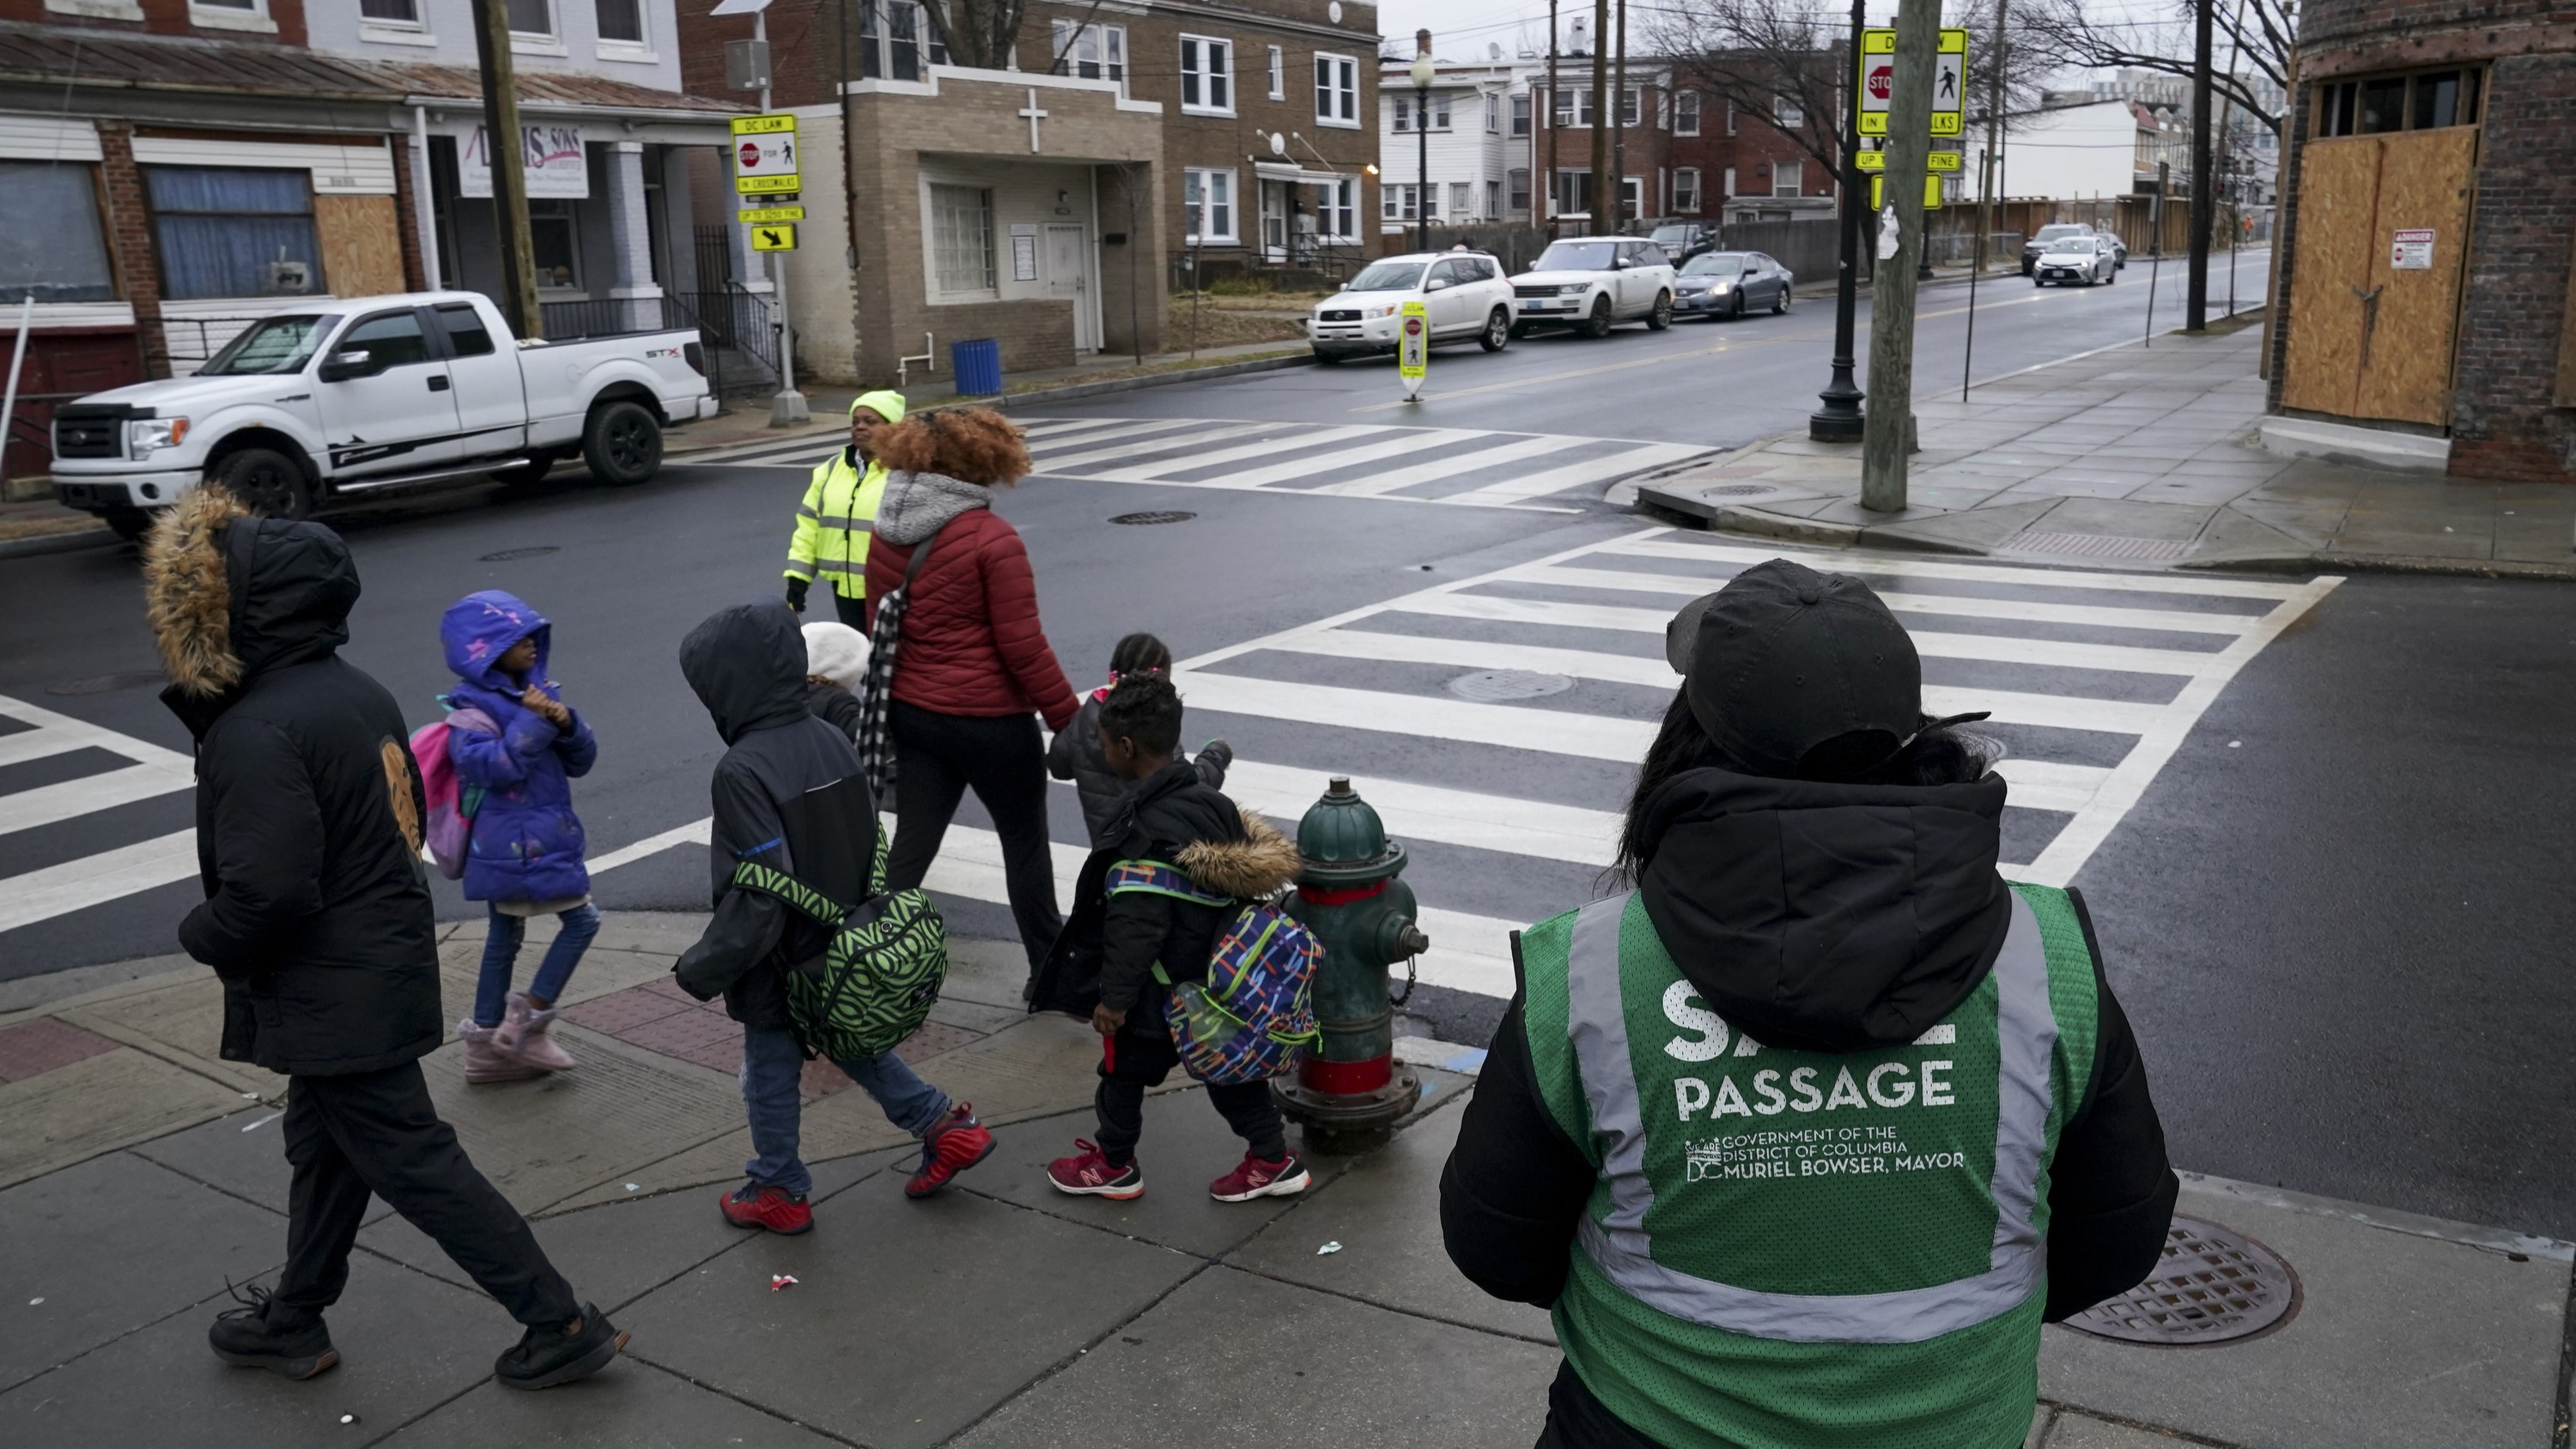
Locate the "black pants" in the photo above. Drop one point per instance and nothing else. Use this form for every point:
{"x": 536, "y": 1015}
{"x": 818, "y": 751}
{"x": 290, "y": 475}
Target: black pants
{"x": 853, "y": 612}
{"x": 376, "y": 1133}
{"x": 1576, "y": 1419}
{"x": 1134, "y": 1060}
{"x": 936, "y": 758}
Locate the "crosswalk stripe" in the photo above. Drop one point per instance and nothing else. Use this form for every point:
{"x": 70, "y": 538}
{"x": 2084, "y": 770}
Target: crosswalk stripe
{"x": 1603, "y": 470}
{"x": 1159, "y": 436}
{"x": 1053, "y": 428}
{"x": 71, "y": 885}
{"x": 1449, "y": 467}
{"x": 1265, "y": 448}
{"x": 63, "y": 800}
{"x": 1430, "y": 812}
{"x": 1960, "y": 605}
{"x": 1397, "y": 446}
{"x": 56, "y": 733}
{"x": 1880, "y": 566}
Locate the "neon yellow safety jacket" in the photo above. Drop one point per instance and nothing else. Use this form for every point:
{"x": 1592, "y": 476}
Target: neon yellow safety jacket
{"x": 833, "y": 525}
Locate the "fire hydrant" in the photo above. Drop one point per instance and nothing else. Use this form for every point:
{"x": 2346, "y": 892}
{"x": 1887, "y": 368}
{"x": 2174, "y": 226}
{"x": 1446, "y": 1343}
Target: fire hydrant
{"x": 1349, "y": 1093}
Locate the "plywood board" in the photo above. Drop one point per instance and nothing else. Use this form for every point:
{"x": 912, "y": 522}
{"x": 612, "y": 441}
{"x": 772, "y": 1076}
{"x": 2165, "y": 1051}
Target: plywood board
{"x": 2338, "y": 203}
{"x": 2424, "y": 180}
{"x": 361, "y": 244}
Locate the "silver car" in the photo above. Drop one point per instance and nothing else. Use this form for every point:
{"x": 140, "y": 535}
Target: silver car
{"x": 2071, "y": 259}
{"x": 1730, "y": 284}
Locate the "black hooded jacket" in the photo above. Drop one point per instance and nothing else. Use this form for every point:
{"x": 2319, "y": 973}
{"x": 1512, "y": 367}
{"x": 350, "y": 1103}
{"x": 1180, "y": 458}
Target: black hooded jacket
{"x": 788, "y": 793}
{"x": 317, "y": 913}
{"x": 1819, "y": 917}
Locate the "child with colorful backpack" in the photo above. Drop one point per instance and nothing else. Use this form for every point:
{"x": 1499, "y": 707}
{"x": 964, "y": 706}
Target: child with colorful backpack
{"x": 1074, "y": 753}
{"x": 513, "y": 741}
{"x": 1154, "y": 906}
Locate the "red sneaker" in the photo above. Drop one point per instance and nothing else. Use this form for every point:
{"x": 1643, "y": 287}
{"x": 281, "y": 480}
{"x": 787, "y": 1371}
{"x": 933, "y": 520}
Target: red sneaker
{"x": 1089, "y": 1174}
{"x": 774, "y": 1208}
{"x": 1253, "y": 1177}
{"x": 950, "y": 1147}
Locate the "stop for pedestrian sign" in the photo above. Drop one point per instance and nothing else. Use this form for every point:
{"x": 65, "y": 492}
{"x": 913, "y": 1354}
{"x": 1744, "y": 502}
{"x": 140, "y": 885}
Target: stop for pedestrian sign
{"x": 1878, "y": 81}
{"x": 764, "y": 155}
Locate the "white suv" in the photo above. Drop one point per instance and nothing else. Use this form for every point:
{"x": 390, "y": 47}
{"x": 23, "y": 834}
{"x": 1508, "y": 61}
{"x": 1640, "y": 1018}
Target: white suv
{"x": 1464, "y": 293}
{"x": 1591, "y": 282}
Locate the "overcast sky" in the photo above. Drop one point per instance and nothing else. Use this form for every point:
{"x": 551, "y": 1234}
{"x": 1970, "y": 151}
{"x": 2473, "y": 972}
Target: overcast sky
{"x": 1461, "y": 29}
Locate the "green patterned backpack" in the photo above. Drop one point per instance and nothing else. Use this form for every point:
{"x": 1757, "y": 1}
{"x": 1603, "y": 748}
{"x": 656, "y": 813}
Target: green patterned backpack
{"x": 881, "y": 973}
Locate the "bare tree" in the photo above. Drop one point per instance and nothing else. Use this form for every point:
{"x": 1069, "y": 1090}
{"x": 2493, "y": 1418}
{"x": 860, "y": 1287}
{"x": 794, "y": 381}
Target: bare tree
{"x": 2028, "y": 65}
{"x": 2098, "y": 35}
{"x": 1769, "y": 59}
{"x": 978, "y": 33}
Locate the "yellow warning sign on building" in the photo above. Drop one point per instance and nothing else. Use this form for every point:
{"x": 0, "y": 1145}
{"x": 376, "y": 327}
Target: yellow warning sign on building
{"x": 780, "y": 237}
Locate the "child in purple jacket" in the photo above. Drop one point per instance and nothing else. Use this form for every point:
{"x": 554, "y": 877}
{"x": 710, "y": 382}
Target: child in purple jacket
{"x": 525, "y": 857}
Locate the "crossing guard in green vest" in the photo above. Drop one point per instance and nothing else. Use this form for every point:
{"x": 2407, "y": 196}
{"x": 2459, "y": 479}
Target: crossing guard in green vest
{"x": 1802, "y": 1139}
{"x": 835, "y": 521}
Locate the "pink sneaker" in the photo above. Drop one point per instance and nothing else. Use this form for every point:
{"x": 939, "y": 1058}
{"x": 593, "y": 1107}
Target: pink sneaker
{"x": 1088, "y": 1174}
{"x": 1253, "y": 1177}
{"x": 484, "y": 1059}
{"x": 522, "y": 1034}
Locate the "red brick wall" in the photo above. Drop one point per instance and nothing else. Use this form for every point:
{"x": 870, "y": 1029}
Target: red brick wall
{"x": 169, "y": 17}
{"x": 2502, "y": 422}
{"x": 129, "y": 239}
{"x": 407, "y": 216}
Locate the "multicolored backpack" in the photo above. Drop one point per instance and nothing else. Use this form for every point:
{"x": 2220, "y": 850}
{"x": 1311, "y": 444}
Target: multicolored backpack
{"x": 1254, "y": 1019}
{"x": 452, "y": 803}
{"x": 882, "y": 971}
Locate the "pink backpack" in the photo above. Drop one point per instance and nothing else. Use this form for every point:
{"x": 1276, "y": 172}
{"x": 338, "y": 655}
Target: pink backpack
{"x": 452, "y": 803}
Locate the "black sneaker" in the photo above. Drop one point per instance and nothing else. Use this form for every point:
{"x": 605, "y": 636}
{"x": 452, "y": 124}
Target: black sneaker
{"x": 261, "y": 1333}
{"x": 546, "y": 1357}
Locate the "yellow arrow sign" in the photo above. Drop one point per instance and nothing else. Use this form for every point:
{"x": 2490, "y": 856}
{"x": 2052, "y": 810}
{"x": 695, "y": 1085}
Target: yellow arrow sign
{"x": 781, "y": 238}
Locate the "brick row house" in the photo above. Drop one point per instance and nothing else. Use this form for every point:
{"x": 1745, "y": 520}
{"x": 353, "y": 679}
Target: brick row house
{"x": 1052, "y": 204}
{"x": 172, "y": 170}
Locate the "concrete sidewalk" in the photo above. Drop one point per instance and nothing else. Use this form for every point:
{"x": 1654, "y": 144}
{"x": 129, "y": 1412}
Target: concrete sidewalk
{"x": 137, "y": 1175}
{"x": 2137, "y": 455}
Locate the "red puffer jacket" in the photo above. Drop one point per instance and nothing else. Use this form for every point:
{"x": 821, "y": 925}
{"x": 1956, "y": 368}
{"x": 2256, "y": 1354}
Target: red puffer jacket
{"x": 972, "y": 643}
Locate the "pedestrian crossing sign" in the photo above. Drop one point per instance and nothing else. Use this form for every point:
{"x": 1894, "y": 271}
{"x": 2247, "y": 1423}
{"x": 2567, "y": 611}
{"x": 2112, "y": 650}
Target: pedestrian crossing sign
{"x": 780, "y": 237}
{"x": 1413, "y": 348}
{"x": 1877, "y": 81}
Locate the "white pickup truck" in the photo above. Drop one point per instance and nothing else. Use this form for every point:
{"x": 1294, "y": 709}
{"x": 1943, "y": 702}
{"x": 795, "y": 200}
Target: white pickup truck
{"x": 363, "y": 393}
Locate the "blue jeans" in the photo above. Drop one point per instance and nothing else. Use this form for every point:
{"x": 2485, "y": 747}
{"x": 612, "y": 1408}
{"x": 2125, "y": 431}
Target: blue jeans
{"x": 501, "y": 954}
{"x": 772, "y": 1063}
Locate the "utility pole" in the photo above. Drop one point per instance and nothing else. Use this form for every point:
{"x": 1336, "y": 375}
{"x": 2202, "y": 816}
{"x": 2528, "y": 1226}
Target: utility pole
{"x": 1619, "y": 135}
{"x": 1424, "y": 72}
{"x": 506, "y": 148}
{"x": 1839, "y": 420}
{"x": 1546, "y": 116}
{"x": 1600, "y": 115}
{"x": 1988, "y": 172}
{"x": 1887, "y": 434}
{"x": 2204, "y": 195}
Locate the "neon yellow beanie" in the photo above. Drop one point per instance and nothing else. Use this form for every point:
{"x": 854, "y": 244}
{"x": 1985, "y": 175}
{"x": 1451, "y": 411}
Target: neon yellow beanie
{"x": 885, "y": 404}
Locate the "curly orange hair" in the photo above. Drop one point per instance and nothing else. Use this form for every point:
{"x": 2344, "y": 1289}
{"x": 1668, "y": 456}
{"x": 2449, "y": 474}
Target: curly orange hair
{"x": 977, "y": 445}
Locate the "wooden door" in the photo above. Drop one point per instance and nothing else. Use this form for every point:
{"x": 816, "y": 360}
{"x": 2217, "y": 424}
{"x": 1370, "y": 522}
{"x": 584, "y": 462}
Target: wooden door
{"x": 2338, "y": 198}
{"x": 2370, "y": 338}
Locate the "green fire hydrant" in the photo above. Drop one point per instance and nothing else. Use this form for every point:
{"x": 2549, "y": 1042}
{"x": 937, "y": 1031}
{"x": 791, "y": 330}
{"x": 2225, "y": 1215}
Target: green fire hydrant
{"x": 1349, "y": 1093}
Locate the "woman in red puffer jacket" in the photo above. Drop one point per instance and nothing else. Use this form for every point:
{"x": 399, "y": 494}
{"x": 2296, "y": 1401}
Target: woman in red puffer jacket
{"x": 973, "y": 672}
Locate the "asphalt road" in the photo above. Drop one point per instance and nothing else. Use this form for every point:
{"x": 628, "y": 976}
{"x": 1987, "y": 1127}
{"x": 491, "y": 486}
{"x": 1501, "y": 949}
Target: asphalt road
{"x": 2333, "y": 915}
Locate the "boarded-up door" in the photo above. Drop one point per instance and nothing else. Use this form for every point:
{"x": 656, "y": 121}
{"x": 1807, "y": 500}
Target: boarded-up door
{"x": 2370, "y": 338}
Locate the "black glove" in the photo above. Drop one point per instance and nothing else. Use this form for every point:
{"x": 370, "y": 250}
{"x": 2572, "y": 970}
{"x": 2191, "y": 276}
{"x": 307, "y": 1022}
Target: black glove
{"x": 796, "y": 588}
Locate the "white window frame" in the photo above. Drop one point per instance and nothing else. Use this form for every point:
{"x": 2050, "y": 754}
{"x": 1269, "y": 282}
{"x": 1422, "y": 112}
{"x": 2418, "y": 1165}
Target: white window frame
{"x": 1796, "y": 171}
{"x": 1685, "y": 113}
{"x": 1214, "y": 71}
{"x": 1576, "y": 115}
{"x": 941, "y": 195}
{"x": 1440, "y": 110}
{"x": 1493, "y": 201}
{"x": 415, "y": 31}
{"x": 1493, "y": 114}
{"x": 1402, "y": 105}
{"x": 1686, "y": 191}
{"x": 1524, "y": 111}
{"x": 1632, "y": 106}
{"x": 1730, "y": 183}
{"x": 638, "y": 51}
{"x": 1462, "y": 200}
{"x": 217, "y": 16}
{"x": 1787, "y": 114}
{"x": 1108, "y": 44}
{"x": 1730, "y": 118}
{"x": 1516, "y": 196}
{"x": 1337, "y": 90}
{"x": 1210, "y": 181}
{"x": 1278, "y": 74}
{"x": 1337, "y": 211}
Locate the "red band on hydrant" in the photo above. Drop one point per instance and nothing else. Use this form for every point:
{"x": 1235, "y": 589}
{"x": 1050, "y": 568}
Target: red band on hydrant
{"x": 1347, "y": 1077}
{"x": 1330, "y": 896}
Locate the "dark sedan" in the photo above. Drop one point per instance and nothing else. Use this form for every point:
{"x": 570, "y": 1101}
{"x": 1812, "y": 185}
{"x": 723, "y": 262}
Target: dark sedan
{"x": 1730, "y": 284}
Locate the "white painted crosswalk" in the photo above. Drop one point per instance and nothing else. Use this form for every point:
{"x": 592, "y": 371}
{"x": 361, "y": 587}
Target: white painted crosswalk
{"x": 1468, "y": 467}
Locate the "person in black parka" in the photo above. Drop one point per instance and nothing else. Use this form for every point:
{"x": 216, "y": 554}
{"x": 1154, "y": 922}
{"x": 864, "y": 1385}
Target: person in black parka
{"x": 317, "y": 918}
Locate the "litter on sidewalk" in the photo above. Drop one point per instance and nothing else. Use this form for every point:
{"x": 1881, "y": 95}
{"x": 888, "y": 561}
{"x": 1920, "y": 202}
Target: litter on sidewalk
{"x": 778, "y": 1281}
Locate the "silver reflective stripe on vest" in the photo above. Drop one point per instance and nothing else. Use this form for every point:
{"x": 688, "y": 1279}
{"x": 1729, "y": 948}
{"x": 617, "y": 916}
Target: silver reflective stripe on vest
{"x": 1621, "y": 1247}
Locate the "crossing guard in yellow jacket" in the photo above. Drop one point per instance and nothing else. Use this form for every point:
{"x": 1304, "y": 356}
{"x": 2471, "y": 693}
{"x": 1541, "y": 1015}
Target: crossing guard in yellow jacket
{"x": 834, "y": 521}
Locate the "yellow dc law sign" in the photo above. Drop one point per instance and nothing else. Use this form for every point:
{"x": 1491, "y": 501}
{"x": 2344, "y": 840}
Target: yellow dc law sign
{"x": 1877, "y": 81}
{"x": 1413, "y": 349}
{"x": 777, "y": 238}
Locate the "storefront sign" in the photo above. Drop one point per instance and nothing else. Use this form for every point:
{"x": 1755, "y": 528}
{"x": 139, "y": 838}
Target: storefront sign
{"x": 2411, "y": 250}
{"x": 550, "y": 156}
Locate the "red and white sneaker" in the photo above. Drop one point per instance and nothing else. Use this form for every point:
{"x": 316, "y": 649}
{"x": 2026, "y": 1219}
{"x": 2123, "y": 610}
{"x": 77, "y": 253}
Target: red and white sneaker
{"x": 1089, "y": 1174}
{"x": 774, "y": 1208}
{"x": 1253, "y": 1177}
{"x": 953, "y": 1144}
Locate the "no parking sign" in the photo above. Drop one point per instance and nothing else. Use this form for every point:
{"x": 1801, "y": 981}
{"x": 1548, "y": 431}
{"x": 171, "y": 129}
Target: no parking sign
{"x": 1413, "y": 350}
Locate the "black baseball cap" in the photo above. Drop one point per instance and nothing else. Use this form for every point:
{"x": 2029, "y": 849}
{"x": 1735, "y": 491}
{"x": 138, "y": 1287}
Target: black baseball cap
{"x": 1796, "y": 673}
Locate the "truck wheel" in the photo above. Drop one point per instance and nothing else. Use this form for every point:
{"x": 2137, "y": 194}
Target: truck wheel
{"x": 532, "y": 470}
{"x": 1661, "y": 318}
{"x": 1498, "y": 332}
{"x": 622, "y": 443}
{"x": 267, "y": 481}
{"x": 1598, "y": 324}
{"x": 129, "y": 523}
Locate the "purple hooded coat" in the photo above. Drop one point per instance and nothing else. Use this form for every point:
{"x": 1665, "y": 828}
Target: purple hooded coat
{"x": 527, "y": 843}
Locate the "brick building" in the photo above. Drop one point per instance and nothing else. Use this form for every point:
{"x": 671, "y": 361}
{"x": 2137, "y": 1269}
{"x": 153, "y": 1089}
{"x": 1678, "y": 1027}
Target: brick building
{"x": 1051, "y": 205}
{"x": 2428, "y": 285}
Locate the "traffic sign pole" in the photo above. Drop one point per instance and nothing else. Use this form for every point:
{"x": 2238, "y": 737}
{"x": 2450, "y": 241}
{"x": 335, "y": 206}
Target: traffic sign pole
{"x": 1907, "y": 66}
{"x": 1839, "y": 420}
{"x": 787, "y": 408}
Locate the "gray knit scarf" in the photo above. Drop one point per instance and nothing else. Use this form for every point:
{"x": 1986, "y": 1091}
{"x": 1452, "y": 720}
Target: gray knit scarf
{"x": 916, "y": 504}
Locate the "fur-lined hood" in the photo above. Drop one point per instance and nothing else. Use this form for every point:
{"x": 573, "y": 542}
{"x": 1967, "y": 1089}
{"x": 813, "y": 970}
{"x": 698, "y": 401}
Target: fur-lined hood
{"x": 1263, "y": 863}
{"x": 230, "y": 593}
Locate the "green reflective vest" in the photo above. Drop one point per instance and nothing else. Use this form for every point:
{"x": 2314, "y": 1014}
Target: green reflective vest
{"x": 1808, "y": 1250}
{"x": 833, "y": 524}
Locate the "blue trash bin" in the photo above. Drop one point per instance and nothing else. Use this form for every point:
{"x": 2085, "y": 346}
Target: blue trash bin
{"x": 978, "y": 365}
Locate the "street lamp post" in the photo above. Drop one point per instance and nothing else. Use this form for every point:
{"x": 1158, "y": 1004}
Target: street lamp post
{"x": 1422, "y": 76}
{"x": 1840, "y": 420}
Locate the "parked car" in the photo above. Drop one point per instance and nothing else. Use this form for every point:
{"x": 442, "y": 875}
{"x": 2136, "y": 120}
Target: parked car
{"x": 2071, "y": 259}
{"x": 1464, "y": 293}
{"x": 1730, "y": 284}
{"x": 1592, "y": 282}
{"x": 1683, "y": 240}
{"x": 2060, "y": 230}
{"x": 363, "y": 393}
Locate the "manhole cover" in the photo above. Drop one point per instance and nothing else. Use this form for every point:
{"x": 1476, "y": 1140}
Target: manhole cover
{"x": 2096, "y": 545}
{"x": 1739, "y": 490}
{"x": 1154, "y": 517}
{"x": 513, "y": 555}
{"x": 107, "y": 683}
{"x": 1490, "y": 686}
{"x": 2214, "y": 1286}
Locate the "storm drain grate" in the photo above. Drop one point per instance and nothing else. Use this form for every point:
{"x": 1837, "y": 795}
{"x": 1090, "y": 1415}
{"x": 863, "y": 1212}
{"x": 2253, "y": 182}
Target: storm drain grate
{"x": 1150, "y": 518}
{"x": 1493, "y": 686}
{"x": 513, "y": 555}
{"x": 2096, "y": 545}
{"x": 107, "y": 683}
{"x": 2214, "y": 1286}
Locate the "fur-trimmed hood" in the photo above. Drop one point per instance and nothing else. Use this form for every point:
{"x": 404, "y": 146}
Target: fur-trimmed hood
{"x": 1263, "y": 863}
{"x": 231, "y": 594}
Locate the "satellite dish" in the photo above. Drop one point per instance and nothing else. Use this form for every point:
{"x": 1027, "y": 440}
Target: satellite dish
{"x": 1333, "y": 12}
{"x": 1278, "y": 144}
{"x": 1493, "y": 50}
